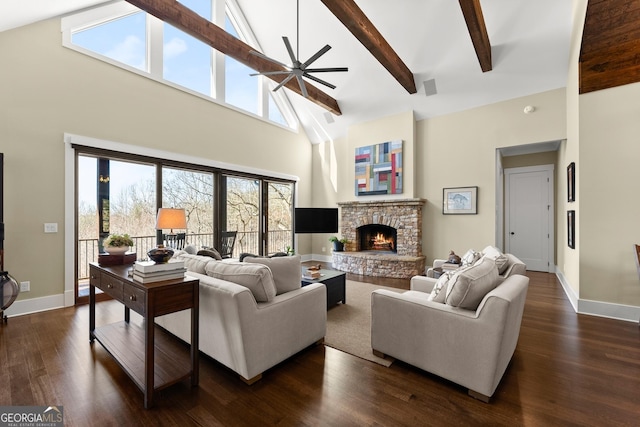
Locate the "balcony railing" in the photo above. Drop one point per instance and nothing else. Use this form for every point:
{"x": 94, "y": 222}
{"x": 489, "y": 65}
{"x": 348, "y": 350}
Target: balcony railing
{"x": 245, "y": 242}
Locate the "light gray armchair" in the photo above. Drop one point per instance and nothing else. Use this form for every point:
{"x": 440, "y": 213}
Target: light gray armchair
{"x": 470, "y": 348}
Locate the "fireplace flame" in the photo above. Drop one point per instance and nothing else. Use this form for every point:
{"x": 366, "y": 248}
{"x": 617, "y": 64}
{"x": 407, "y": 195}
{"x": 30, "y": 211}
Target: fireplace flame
{"x": 382, "y": 242}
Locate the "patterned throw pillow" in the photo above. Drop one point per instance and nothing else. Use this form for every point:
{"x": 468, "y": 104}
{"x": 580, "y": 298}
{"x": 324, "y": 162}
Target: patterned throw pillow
{"x": 470, "y": 258}
{"x": 439, "y": 290}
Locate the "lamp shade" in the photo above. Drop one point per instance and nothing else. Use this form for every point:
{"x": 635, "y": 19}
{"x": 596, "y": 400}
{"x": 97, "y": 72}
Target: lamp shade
{"x": 170, "y": 218}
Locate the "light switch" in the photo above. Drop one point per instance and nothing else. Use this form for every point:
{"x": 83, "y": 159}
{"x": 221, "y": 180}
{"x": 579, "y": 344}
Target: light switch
{"x": 51, "y": 227}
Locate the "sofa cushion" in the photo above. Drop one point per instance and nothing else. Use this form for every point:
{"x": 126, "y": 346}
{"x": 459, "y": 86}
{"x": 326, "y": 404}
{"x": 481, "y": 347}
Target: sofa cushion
{"x": 470, "y": 257}
{"x": 287, "y": 271}
{"x": 194, "y": 263}
{"x": 467, "y": 288}
{"x": 500, "y": 258}
{"x": 210, "y": 252}
{"x": 257, "y": 278}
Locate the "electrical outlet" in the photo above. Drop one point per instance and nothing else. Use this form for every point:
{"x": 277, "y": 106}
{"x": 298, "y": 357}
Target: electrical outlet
{"x": 324, "y": 249}
{"x": 51, "y": 227}
{"x": 25, "y": 286}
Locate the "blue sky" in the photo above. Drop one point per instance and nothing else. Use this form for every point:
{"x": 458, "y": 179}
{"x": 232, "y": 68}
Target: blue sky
{"x": 186, "y": 60}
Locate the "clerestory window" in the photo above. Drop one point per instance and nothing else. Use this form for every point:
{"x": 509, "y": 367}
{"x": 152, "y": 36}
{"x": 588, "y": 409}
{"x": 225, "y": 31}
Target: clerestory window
{"x": 124, "y": 36}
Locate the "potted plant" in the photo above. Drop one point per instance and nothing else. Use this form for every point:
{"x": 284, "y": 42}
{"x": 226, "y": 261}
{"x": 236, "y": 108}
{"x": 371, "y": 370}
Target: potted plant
{"x": 338, "y": 244}
{"x": 117, "y": 243}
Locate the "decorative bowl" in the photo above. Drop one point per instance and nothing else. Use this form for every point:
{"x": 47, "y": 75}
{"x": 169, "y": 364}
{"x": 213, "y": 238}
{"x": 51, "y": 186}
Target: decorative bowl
{"x": 116, "y": 250}
{"x": 160, "y": 255}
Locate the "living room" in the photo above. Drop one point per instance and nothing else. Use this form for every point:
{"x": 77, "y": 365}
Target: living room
{"x": 50, "y": 92}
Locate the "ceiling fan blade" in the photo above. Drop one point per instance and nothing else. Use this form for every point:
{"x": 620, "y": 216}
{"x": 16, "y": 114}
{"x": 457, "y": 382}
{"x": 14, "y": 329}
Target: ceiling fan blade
{"x": 326, "y": 70}
{"x": 270, "y": 73}
{"x": 284, "y": 82}
{"x": 289, "y": 49}
{"x": 303, "y": 87}
{"x": 316, "y": 56}
{"x": 263, "y": 56}
{"x": 315, "y": 79}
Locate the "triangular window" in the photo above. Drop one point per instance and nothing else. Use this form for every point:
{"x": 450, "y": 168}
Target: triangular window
{"x": 123, "y": 39}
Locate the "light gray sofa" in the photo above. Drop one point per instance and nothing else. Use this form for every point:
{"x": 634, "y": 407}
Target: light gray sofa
{"x": 252, "y": 316}
{"x": 513, "y": 264}
{"x": 469, "y": 347}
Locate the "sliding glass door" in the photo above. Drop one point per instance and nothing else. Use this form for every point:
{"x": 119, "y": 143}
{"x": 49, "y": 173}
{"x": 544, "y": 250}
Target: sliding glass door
{"x": 121, "y": 193}
{"x": 114, "y": 196}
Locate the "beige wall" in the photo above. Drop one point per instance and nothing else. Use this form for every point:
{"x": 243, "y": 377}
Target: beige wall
{"x": 334, "y": 167}
{"x": 608, "y": 192}
{"x": 47, "y": 90}
{"x": 459, "y": 150}
{"x": 450, "y": 151}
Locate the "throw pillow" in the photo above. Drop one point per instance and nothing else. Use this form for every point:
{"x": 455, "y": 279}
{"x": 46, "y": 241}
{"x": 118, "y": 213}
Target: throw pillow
{"x": 257, "y": 278}
{"x": 500, "y": 258}
{"x": 439, "y": 291}
{"x": 191, "y": 249}
{"x": 287, "y": 271}
{"x": 210, "y": 253}
{"x": 470, "y": 257}
{"x": 467, "y": 288}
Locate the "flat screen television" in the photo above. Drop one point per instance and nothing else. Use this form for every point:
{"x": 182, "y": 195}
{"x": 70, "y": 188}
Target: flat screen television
{"x": 316, "y": 220}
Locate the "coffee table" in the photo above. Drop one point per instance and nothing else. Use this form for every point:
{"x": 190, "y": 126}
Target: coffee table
{"x": 335, "y": 282}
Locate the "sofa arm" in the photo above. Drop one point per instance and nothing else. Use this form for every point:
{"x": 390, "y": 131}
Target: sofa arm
{"x": 437, "y": 263}
{"x": 422, "y": 284}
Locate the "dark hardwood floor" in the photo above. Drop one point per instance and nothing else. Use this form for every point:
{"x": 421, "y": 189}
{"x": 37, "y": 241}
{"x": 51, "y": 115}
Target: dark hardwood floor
{"x": 568, "y": 370}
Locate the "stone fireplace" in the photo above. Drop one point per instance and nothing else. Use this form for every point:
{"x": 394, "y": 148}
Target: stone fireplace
{"x": 384, "y": 238}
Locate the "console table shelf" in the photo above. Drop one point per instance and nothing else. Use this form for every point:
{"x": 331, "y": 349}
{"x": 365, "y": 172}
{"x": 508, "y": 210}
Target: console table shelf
{"x": 125, "y": 342}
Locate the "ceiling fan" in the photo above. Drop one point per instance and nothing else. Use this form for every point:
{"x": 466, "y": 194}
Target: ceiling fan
{"x": 298, "y": 69}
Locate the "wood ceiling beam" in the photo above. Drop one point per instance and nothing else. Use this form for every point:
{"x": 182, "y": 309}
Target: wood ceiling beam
{"x": 478, "y": 31}
{"x": 190, "y": 22}
{"x": 348, "y": 12}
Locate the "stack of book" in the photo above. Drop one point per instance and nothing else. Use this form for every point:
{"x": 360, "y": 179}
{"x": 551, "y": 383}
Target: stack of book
{"x": 312, "y": 273}
{"x": 449, "y": 266}
{"x": 149, "y": 271}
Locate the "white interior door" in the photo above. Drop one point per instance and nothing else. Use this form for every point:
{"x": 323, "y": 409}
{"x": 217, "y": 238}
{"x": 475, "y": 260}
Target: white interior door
{"x": 529, "y": 216}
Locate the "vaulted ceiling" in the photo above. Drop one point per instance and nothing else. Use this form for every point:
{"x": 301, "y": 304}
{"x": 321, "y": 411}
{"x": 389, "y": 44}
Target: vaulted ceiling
{"x": 471, "y": 52}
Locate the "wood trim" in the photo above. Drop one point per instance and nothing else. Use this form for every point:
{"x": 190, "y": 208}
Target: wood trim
{"x": 348, "y": 12}
{"x": 186, "y": 20}
{"x": 472, "y": 12}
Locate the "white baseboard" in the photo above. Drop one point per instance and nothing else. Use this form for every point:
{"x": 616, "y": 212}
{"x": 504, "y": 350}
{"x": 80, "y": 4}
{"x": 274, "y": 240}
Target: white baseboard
{"x": 35, "y": 305}
{"x": 316, "y": 257}
{"x": 609, "y": 310}
{"x": 568, "y": 290}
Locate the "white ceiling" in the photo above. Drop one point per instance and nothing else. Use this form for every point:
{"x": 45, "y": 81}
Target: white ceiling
{"x": 529, "y": 39}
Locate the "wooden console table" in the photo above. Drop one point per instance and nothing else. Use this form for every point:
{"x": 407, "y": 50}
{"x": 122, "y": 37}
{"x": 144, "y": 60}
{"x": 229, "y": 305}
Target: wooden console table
{"x": 134, "y": 347}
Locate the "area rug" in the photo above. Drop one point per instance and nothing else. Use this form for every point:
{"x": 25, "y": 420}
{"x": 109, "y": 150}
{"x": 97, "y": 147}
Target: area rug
{"x": 349, "y": 325}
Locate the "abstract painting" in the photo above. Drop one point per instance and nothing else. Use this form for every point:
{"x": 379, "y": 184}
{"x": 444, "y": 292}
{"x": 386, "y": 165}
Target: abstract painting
{"x": 379, "y": 169}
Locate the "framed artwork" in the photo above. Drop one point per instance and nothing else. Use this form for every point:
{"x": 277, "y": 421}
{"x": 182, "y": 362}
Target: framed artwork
{"x": 379, "y": 169}
{"x": 460, "y": 201}
{"x": 571, "y": 229}
{"x": 571, "y": 182}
